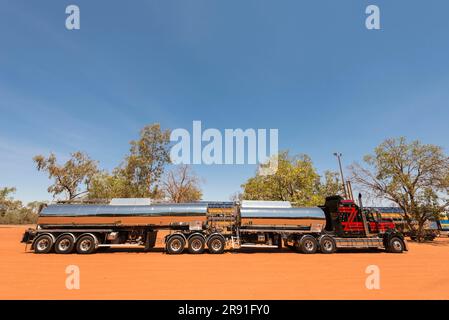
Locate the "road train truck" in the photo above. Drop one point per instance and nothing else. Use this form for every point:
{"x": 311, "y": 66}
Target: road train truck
{"x": 213, "y": 227}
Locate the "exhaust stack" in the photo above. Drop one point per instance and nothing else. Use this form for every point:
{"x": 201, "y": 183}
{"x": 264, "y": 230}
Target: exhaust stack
{"x": 362, "y": 213}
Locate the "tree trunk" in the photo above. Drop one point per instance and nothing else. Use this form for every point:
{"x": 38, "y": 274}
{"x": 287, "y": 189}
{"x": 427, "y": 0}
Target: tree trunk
{"x": 420, "y": 232}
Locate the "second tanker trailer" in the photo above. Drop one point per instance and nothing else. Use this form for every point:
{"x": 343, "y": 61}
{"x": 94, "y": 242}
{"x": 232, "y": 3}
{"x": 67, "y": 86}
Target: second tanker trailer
{"x": 212, "y": 226}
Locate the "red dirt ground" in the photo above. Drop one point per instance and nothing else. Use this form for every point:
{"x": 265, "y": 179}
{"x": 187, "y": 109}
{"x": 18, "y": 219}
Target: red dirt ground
{"x": 421, "y": 273}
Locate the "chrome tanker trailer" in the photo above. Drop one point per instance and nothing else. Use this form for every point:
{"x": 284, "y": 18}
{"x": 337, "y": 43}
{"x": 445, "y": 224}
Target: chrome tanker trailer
{"x": 83, "y": 228}
{"x": 214, "y": 226}
{"x": 339, "y": 223}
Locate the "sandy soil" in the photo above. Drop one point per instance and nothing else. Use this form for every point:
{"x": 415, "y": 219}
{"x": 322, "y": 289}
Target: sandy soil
{"x": 421, "y": 273}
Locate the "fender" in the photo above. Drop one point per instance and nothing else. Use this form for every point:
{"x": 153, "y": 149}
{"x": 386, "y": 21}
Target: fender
{"x": 325, "y": 235}
{"x": 67, "y": 233}
{"x": 216, "y": 234}
{"x": 405, "y": 244}
{"x": 168, "y": 236}
{"x": 390, "y": 233}
{"x": 305, "y": 236}
{"x": 196, "y": 234}
{"x": 95, "y": 238}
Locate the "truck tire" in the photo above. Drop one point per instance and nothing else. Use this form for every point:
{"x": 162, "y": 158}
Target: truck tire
{"x": 196, "y": 244}
{"x": 327, "y": 245}
{"x": 308, "y": 244}
{"x": 86, "y": 244}
{"x": 65, "y": 244}
{"x": 395, "y": 245}
{"x": 175, "y": 244}
{"x": 216, "y": 244}
{"x": 43, "y": 244}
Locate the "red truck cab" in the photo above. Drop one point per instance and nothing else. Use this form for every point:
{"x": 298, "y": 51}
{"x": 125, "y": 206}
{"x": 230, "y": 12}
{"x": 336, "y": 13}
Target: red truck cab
{"x": 348, "y": 219}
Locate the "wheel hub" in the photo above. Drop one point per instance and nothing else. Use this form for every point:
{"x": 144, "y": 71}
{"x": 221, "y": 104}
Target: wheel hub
{"x": 327, "y": 245}
{"x": 308, "y": 245}
{"x": 43, "y": 244}
{"x": 85, "y": 245}
{"x": 64, "y": 245}
{"x": 216, "y": 244}
{"x": 397, "y": 245}
{"x": 196, "y": 245}
{"x": 175, "y": 245}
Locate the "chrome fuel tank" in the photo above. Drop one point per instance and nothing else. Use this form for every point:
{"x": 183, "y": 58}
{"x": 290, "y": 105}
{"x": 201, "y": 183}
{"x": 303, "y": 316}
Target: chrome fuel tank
{"x": 157, "y": 214}
{"x": 282, "y": 215}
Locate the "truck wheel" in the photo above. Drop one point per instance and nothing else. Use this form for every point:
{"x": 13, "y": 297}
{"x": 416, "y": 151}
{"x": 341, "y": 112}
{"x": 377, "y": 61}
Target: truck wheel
{"x": 395, "y": 245}
{"x": 85, "y": 244}
{"x": 43, "y": 244}
{"x": 327, "y": 245}
{"x": 196, "y": 244}
{"x": 216, "y": 244}
{"x": 64, "y": 244}
{"x": 175, "y": 245}
{"x": 308, "y": 244}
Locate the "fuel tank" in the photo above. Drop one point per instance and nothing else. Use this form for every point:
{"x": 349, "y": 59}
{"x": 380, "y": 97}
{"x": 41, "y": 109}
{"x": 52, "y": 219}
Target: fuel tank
{"x": 156, "y": 214}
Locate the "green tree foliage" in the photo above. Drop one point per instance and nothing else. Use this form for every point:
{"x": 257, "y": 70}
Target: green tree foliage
{"x": 296, "y": 180}
{"x": 181, "y": 185}
{"x": 332, "y": 184}
{"x": 70, "y": 177}
{"x": 145, "y": 164}
{"x": 6, "y": 200}
{"x": 107, "y": 186}
{"x": 413, "y": 175}
{"x": 5, "y": 194}
{"x": 140, "y": 173}
{"x": 13, "y": 212}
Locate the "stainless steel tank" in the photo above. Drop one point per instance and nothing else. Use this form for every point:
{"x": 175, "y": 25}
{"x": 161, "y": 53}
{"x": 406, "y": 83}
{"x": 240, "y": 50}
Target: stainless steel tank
{"x": 282, "y": 215}
{"x": 156, "y": 214}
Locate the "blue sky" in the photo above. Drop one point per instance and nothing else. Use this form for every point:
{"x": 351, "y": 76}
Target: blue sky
{"x": 308, "y": 68}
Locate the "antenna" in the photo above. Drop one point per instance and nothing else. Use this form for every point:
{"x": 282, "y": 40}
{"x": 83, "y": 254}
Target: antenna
{"x": 338, "y": 155}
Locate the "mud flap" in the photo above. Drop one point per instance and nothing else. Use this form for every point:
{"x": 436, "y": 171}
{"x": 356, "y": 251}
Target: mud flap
{"x": 28, "y": 236}
{"x": 150, "y": 240}
{"x": 405, "y": 244}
